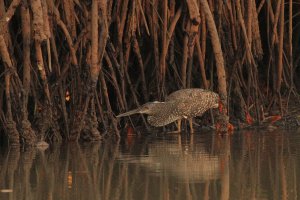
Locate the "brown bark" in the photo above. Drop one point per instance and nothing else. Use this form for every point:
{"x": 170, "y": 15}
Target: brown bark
{"x": 38, "y": 21}
{"x": 12, "y": 132}
{"x": 26, "y": 131}
{"x": 245, "y": 33}
{"x": 164, "y": 51}
{"x": 257, "y": 46}
{"x": 280, "y": 47}
{"x": 103, "y": 40}
{"x": 64, "y": 28}
{"x": 143, "y": 16}
{"x": 275, "y": 21}
{"x": 219, "y": 63}
{"x": 137, "y": 51}
{"x": 26, "y": 49}
{"x": 193, "y": 11}
{"x": 184, "y": 60}
{"x": 70, "y": 18}
{"x": 192, "y": 29}
{"x": 8, "y": 15}
{"x": 280, "y": 57}
{"x": 41, "y": 68}
{"x": 203, "y": 37}
{"x": 115, "y": 81}
{"x": 291, "y": 62}
{"x": 232, "y": 25}
{"x": 69, "y": 51}
{"x": 70, "y": 42}
{"x": 94, "y": 40}
{"x": 202, "y": 65}
{"x": 155, "y": 41}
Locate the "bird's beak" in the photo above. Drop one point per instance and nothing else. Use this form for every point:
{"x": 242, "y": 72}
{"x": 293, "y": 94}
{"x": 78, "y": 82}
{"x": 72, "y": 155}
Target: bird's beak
{"x": 217, "y": 105}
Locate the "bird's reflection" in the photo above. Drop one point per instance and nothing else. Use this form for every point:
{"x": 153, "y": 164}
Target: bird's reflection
{"x": 179, "y": 158}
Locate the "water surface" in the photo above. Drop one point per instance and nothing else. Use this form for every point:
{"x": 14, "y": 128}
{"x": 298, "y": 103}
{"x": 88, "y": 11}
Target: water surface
{"x": 246, "y": 165}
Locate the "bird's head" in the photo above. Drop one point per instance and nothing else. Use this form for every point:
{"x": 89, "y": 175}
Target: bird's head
{"x": 215, "y": 100}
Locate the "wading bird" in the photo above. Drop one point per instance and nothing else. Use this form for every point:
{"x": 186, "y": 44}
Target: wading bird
{"x": 185, "y": 103}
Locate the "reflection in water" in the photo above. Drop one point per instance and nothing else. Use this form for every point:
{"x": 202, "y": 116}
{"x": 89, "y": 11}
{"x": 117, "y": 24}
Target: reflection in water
{"x": 247, "y": 165}
{"x": 188, "y": 162}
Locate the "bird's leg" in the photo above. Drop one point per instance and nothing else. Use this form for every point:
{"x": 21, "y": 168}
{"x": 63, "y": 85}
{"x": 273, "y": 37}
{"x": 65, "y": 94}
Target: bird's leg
{"x": 179, "y": 125}
{"x": 191, "y": 125}
{"x": 179, "y": 141}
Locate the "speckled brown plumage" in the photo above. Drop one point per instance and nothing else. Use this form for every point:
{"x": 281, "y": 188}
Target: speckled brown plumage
{"x": 185, "y": 103}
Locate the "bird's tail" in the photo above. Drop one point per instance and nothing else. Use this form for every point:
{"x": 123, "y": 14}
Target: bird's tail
{"x": 135, "y": 111}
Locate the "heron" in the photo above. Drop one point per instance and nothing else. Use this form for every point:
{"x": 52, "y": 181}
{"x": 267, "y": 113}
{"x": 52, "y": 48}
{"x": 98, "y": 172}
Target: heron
{"x": 181, "y": 104}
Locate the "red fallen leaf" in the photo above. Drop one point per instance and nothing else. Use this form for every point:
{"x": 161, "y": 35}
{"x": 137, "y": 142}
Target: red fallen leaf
{"x": 218, "y": 126}
{"x": 130, "y": 135}
{"x": 220, "y": 106}
{"x": 222, "y": 166}
{"x": 275, "y": 118}
{"x": 249, "y": 119}
{"x": 130, "y": 131}
{"x": 230, "y": 127}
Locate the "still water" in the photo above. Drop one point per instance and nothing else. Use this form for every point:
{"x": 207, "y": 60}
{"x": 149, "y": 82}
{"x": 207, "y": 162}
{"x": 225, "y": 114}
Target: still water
{"x": 245, "y": 165}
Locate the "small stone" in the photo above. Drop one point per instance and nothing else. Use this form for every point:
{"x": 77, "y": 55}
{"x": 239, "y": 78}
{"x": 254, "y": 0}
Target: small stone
{"x": 42, "y": 145}
{"x": 272, "y": 128}
{"x": 6, "y": 190}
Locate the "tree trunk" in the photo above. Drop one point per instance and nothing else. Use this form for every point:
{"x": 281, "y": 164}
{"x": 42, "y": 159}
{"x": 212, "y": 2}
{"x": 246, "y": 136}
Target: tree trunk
{"x": 219, "y": 63}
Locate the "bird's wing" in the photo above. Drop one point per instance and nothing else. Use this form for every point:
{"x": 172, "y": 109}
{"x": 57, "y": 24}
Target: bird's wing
{"x": 166, "y": 116}
{"x": 155, "y": 120}
{"x": 187, "y": 108}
